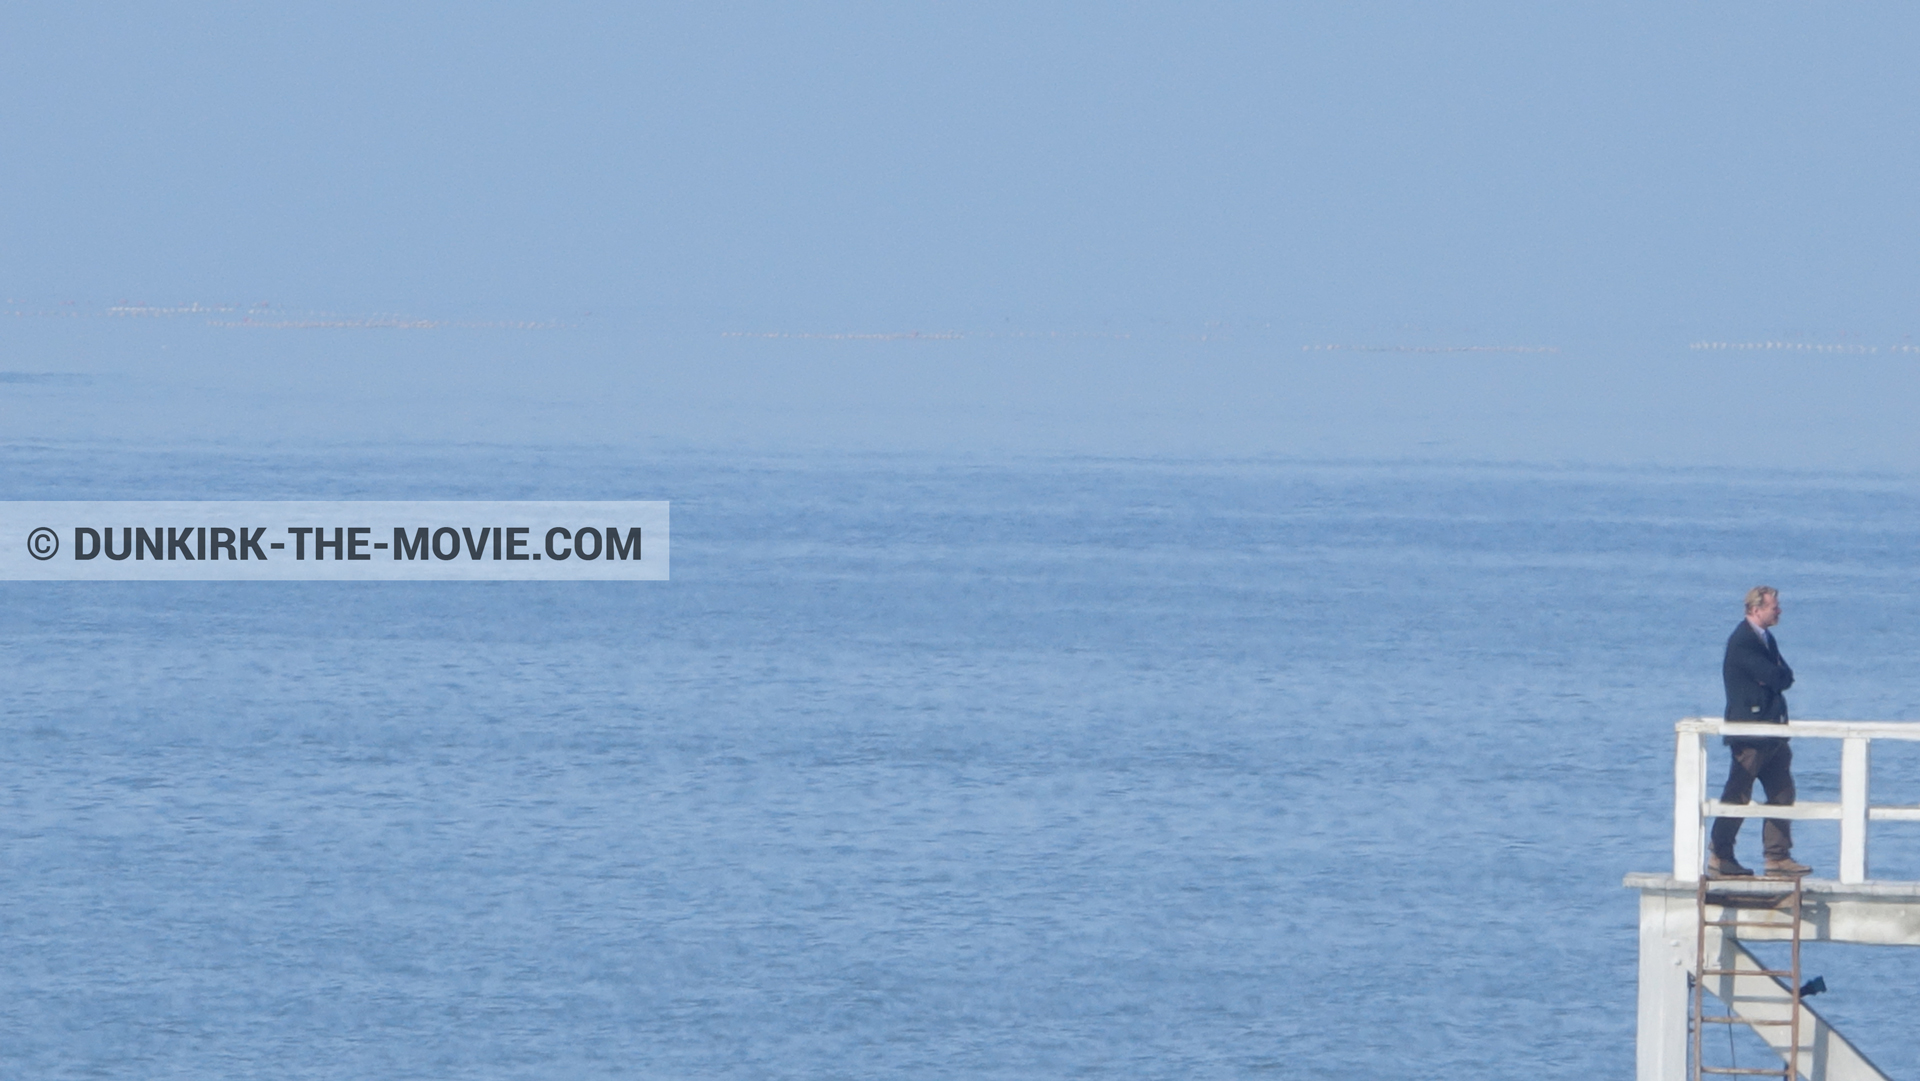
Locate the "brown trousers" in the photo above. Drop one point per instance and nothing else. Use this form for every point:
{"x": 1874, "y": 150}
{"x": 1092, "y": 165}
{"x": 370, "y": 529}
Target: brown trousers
{"x": 1770, "y": 761}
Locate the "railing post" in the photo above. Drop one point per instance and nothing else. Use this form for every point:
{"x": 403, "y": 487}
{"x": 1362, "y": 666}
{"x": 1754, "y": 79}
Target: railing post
{"x": 1689, "y": 795}
{"x": 1853, "y": 809}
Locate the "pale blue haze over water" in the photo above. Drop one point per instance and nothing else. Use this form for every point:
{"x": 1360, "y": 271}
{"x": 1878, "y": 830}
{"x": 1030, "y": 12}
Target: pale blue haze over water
{"x": 1193, "y": 525}
{"x": 920, "y": 766}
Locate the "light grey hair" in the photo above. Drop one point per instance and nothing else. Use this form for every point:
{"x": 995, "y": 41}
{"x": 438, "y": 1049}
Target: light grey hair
{"x": 1758, "y": 595}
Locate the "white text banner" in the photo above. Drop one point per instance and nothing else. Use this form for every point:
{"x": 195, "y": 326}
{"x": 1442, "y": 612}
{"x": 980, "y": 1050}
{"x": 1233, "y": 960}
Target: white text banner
{"x": 339, "y": 541}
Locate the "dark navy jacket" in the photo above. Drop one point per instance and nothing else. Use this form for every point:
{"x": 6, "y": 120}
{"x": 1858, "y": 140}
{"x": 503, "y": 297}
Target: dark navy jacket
{"x": 1755, "y": 677}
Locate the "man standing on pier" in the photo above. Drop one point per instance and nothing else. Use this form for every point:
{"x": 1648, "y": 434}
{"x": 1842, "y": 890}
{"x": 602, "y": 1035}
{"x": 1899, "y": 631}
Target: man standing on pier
{"x": 1756, "y": 679}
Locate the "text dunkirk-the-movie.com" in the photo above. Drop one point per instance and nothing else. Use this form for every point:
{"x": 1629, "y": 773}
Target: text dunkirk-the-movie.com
{"x": 364, "y": 540}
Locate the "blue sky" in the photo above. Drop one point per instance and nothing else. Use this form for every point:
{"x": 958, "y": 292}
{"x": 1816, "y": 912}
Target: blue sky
{"x": 1210, "y": 187}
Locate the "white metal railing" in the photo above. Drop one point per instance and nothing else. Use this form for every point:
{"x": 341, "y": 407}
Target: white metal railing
{"x": 1692, "y": 808}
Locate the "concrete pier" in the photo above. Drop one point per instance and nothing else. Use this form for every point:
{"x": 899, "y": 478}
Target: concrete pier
{"x": 1874, "y": 913}
{"x": 1851, "y": 908}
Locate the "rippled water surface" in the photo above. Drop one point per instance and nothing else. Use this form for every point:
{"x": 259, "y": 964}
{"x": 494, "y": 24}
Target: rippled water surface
{"x": 919, "y": 767}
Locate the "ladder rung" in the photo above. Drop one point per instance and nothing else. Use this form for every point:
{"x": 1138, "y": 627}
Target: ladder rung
{"x": 1739, "y": 1021}
{"x": 1749, "y": 923}
{"x": 1747, "y": 972}
{"x": 1779, "y": 1071}
{"x": 1751, "y": 898}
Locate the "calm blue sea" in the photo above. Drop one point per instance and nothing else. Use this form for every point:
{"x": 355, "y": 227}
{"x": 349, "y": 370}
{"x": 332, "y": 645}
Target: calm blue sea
{"x": 919, "y": 767}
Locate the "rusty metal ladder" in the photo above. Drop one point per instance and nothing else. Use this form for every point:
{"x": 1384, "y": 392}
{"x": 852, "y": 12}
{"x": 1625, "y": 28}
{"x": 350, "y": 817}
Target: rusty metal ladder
{"x": 1787, "y": 901}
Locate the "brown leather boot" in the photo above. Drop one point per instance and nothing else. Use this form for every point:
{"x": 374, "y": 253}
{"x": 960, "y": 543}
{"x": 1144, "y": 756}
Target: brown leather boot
{"x": 1785, "y": 867}
{"x": 1726, "y": 867}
